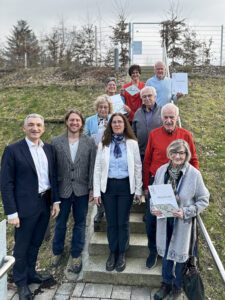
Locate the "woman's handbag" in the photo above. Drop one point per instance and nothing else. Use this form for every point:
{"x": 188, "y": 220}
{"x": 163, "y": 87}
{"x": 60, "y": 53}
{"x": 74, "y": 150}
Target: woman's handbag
{"x": 192, "y": 281}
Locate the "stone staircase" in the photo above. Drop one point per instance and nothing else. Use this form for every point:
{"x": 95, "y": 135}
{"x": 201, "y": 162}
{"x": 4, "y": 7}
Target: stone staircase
{"x": 136, "y": 272}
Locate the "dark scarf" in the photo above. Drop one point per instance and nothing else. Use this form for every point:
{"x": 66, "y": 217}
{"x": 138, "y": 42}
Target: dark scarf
{"x": 174, "y": 175}
{"x": 117, "y": 139}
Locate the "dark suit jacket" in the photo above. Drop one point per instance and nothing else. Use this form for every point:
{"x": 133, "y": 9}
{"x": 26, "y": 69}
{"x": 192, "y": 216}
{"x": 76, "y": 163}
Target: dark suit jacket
{"x": 19, "y": 180}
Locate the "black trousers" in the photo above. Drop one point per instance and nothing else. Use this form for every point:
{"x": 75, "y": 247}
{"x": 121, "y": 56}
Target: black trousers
{"x": 150, "y": 224}
{"x": 117, "y": 201}
{"x": 28, "y": 239}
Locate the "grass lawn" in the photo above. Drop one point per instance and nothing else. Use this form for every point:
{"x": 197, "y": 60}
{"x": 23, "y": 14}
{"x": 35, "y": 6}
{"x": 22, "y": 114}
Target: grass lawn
{"x": 202, "y": 112}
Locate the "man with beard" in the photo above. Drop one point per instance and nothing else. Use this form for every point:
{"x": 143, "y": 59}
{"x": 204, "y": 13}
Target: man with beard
{"x": 75, "y": 154}
{"x": 155, "y": 157}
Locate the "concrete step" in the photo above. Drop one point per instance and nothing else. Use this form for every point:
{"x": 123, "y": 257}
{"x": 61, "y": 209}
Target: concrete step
{"x": 135, "y": 273}
{"x": 136, "y": 224}
{"x": 138, "y": 245}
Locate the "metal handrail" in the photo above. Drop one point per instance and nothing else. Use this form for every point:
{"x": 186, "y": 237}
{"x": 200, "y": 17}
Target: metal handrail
{"x": 212, "y": 249}
{"x": 8, "y": 262}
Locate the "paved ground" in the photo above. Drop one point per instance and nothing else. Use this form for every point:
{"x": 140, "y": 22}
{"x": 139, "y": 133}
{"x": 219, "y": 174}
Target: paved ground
{"x": 90, "y": 291}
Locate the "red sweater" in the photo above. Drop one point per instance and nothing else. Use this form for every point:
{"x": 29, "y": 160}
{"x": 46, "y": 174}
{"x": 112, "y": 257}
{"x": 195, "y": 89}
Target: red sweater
{"x": 155, "y": 153}
{"x": 134, "y": 102}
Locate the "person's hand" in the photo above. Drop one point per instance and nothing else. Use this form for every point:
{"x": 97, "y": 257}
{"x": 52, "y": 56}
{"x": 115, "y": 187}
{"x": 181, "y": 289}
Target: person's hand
{"x": 91, "y": 198}
{"x": 179, "y": 213}
{"x": 137, "y": 199}
{"x": 127, "y": 108}
{"x": 98, "y": 200}
{"x": 15, "y": 222}
{"x": 179, "y": 95}
{"x": 146, "y": 193}
{"x": 156, "y": 212}
{"x": 55, "y": 210}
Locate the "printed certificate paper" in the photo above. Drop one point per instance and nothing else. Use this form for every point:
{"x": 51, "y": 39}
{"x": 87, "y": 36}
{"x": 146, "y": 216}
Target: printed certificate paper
{"x": 163, "y": 199}
{"x": 180, "y": 83}
{"x": 118, "y": 104}
{"x": 133, "y": 90}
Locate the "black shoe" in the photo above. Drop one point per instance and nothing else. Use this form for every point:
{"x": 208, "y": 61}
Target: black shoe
{"x": 39, "y": 278}
{"x": 111, "y": 262}
{"x": 151, "y": 261}
{"x": 24, "y": 292}
{"x": 175, "y": 294}
{"x": 164, "y": 290}
{"x": 121, "y": 262}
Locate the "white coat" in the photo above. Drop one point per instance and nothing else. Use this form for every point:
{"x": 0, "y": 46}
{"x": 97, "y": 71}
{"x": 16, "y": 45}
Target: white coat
{"x": 101, "y": 168}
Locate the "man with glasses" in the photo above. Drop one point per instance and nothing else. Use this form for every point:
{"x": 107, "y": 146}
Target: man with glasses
{"x": 155, "y": 156}
{"x": 146, "y": 118}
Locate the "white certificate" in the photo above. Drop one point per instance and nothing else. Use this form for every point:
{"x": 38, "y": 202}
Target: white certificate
{"x": 163, "y": 199}
{"x": 118, "y": 105}
{"x": 180, "y": 83}
{"x": 132, "y": 90}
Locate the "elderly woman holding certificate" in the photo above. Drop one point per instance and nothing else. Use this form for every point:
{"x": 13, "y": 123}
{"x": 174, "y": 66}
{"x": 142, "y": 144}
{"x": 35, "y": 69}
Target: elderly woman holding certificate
{"x": 174, "y": 234}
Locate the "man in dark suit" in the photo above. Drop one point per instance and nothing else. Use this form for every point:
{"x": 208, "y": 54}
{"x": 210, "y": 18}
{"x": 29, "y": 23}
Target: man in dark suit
{"x": 28, "y": 186}
{"x": 75, "y": 153}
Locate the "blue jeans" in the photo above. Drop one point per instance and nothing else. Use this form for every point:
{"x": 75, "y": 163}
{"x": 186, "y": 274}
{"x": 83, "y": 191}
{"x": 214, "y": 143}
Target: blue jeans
{"x": 167, "y": 265}
{"x": 117, "y": 202}
{"x": 79, "y": 208}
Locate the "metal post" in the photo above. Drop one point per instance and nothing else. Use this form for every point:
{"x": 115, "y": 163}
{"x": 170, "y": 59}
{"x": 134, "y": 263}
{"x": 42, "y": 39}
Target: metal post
{"x": 3, "y": 280}
{"x": 130, "y": 42}
{"x": 116, "y": 59}
{"x": 96, "y": 46}
{"x": 221, "y": 47}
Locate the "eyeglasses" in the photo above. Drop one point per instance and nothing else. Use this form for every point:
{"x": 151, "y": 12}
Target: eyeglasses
{"x": 147, "y": 96}
{"x": 179, "y": 152}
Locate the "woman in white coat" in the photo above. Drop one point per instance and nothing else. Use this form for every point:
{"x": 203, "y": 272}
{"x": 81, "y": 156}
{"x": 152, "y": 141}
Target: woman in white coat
{"x": 174, "y": 234}
{"x": 117, "y": 180}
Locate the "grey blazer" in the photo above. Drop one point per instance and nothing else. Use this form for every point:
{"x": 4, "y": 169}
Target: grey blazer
{"x": 74, "y": 176}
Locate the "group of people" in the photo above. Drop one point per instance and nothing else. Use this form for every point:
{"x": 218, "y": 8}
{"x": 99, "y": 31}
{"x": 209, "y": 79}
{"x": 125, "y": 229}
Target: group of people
{"x": 103, "y": 159}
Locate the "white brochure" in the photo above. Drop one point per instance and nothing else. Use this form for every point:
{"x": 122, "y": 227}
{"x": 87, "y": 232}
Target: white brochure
{"x": 163, "y": 199}
{"x": 180, "y": 83}
{"x": 118, "y": 105}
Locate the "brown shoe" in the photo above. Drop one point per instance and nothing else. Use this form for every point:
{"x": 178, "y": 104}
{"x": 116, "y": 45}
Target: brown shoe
{"x": 76, "y": 265}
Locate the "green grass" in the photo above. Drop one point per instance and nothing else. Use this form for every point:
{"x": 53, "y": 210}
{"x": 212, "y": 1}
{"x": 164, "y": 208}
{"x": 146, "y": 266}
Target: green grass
{"x": 202, "y": 112}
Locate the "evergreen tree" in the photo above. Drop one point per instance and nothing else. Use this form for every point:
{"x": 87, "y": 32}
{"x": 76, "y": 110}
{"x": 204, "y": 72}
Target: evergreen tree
{"x": 22, "y": 46}
{"x": 121, "y": 37}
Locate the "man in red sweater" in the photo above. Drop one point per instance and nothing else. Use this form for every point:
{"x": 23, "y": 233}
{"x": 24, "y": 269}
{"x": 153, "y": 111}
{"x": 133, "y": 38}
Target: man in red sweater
{"x": 155, "y": 156}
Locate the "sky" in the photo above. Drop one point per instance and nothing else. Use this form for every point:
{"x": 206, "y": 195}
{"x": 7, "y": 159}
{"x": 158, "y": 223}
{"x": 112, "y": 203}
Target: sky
{"x": 42, "y": 15}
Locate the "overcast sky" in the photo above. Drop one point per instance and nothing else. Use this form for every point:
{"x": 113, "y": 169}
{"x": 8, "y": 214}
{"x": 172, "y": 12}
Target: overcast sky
{"x": 42, "y": 15}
